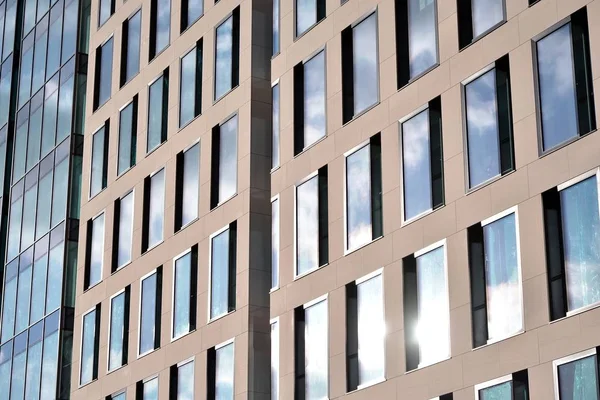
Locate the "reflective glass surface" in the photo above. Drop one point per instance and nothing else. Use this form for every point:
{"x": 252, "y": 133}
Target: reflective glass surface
{"x": 316, "y": 357}
{"x": 148, "y": 314}
{"x": 132, "y": 59}
{"x": 306, "y": 15}
{"x": 224, "y": 58}
{"x": 116, "y": 331}
{"x": 486, "y": 14}
{"x": 422, "y": 35}
{"x": 275, "y": 361}
{"x": 195, "y": 9}
{"x": 275, "y": 26}
{"x": 366, "y": 64}
{"x": 157, "y": 113}
{"x": 275, "y": 243}
{"x": 98, "y": 174}
{"x": 105, "y": 73}
{"x": 358, "y": 198}
{"x": 307, "y": 223}
{"x": 163, "y": 25}
{"x": 275, "y": 139}
{"x": 191, "y": 185}
{"x": 190, "y": 67}
{"x": 371, "y": 331}
{"x": 578, "y": 380}
{"x": 127, "y": 137}
{"x": 228, "y": 159}
{"x": 185, "y": 382}
{"x": 157, "y": 208}
{"x": 105, "y": 11}
{"x": 181, "y": 296}
{"x": 497, "y": 392}
{"x": 314, "y": 99}
{"x": 224, "y": 372}
{"x": 125, "y": 230}
{"x": 150, "y": 391}
{"x": 219, "y": 278}
{"x": 88, "y": 358}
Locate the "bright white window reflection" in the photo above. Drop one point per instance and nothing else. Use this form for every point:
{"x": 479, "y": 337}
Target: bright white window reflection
{"x": 501, "y": 391}
{"x": 224, "y": 58}
{"x": 371, "y": 330}
{"x": 275, "y": 243}
{"x": 307, "y": 221}
{"x": 306, "y": 15}
{"x": 486, "y": 14}
{"x": 503, "y": 278}
{"x": 275, "y": 360}
{"x": 228, "y": 159}
{"x": 96, "y": 250}
{"x": 116, "y": 335}
{"x": 358, "y": 198}
{"x": 422, "y": 35}
{"x": 185, "y": 381}
{"x": 316, "y": 355}
{"x": 150, "y": 389}
{"x": 125, "y": 230}
{"x": 191, "y": 182}
{"x": 88, "y": 352}
{"x": 224, "y": 372}
{"x": 314, "y": 99}
{"x": 182, "y": 286}
{"x": 148, "y": 314}
{"x": 157, "y": 208}
{"x": 576, "y": 377}
{"x": 220, "y": 274}
{"x": 433, "y": 329}
{"x": 366, "y": 63}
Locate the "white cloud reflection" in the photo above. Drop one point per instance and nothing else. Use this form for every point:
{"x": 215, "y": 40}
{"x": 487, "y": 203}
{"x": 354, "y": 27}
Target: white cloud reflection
{"x": 422, "y": 31}
{"x": 307, "y": 217}
{"x": 314, "y": 99}
{"x": 358, "y": 181}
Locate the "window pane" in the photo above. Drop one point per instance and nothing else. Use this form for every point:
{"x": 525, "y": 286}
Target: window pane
{"x": 18, "y": 374}
{"x": 105, "y": 11}
{"x": 65, "y": 110}
{"x": 125, "y": 229}
{"x": 577, "y": 380}
{"x": 97, "y": 250}
{"x": 371, "y": 330}
{"x": 163, "y": 24}
{"x": 120, "y": 396}
{"x": 50, "y": 365}
{"x": 422, "y": 35}
{"x": 20, "y": 152}
{"x": 28, "y": 232}
{"x": 38, "y": 291}
{"x": 156, "y": 114}
{"x": 59, "y": 204}
{"x": 87, "y": 348}
{"x": 49, "y": 124}
{"x": 482, "y": 129}
{"x": 14, "y": 230}
{"x": 105, "y": 73}
{"x": 5, "y": 364}
{"x": 486, "y": 14}
{"x": 148, "y": 314}
{"x": 191, "y": 182}
{"x": 195, "y": 8}
{"x": 127, "y": 138}
{"x": 5, "y": 85}
{"x": 366, "y": 64}
{"x": 275, "y": 27}
{"x": 181, "y": 297}
{"x": 69, "y": 42}
{"x": 504, "y": 305}
{"x": 306, "y": 15}
{"x": 39, "y": 62}
{"x": 133, "y": 46}
{"x": 219, "y": 281}
{"x": 29, "y": 18}
{"x": 9, "y": 308}
{"x": 23, "y": 295}
{"x": 185, "y": 382}
{"x": 557, "y": 87}
{"x": 116, "y": 331}
{"x": 433, "y": 329}
{"x": 498, "y": 392}
{"x": 54, "y": 40}
{"x": 275, "y": 243}
{"x": 581, "y": 230}
{"x": 314, "y": 99}
{"x": 35, "y": 133}
{"x": 55, "y": 278}
{"x": 151, "y": 390}
{"x": 317, "y": 356}
{"x": 34, "y": 364}
{"x": 307, "y": 222}
{"x": 416, "y": 165}
{"x": 157, "y": 208}
{"x": 187, "y": 96}
{"x": 275, "y": 361}
{"x": 98, "y": 177}
{"x": 224, "y": 63}
{"x": 358, "y": 197}
{"x": 275, "y": 140}
{"x": 224, "y": 373}
{"x": 228, "y": 159}
{"x": 25, "y": 78}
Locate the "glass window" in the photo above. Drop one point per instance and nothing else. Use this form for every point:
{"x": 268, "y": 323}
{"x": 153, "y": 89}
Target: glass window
{"x": 29, "y": 17}
{"x": 107, "y": 8}
{"x": 29, "y": 204}
{"x": 54, "y": 41}
{"x": 118, "y": 330}
{"x": 65, "y": 110}
{"x": 224, "y": 149}
{"x": 89, "y": 346}
{"x": 502, "y": 391}
{"x": 55, "y": 272}
{"x": 275, "y": 139}
{"x": 275, "y": 360}
{"x": 14, "y": 228}
{"x": 155, "y": 210}
{"x": 34, "y": 363}
{"x": 26, "y": 71}
{"x": 188, "y": 196}
{"x": 5, "y": 365}
{"x": 103, "y": 77}
{"x": 99, "y": 169}
{"x": 275, "y": 243}
{"x": 227, "y": 57}
{"x": 10, "y": 301}
{"x": 150, "y": 389}
{"x": 95, "y": 250}
{"x": 50, "y": 354}
{"x": 190, "y": 86}
{"x": 224, "y": 372}
{"x": 316, "y": 348}
{"x": 18, "y": 368}
{"x": 192, "y": 10}
{"x": 120, "y": 396}
{"x": 38, "y": 286}
{"x": 43, "y": 207}
{"x": 160, "y": 26}
{"x": 39, "y": 59}
{"x": 35, "y": 132}
{"x": 577, "y": 377}
{"x": 125, "y": 233}
{"x": 20, "y": 149}
{"x": 150, "y": 300}
{"x": 308, "y": 13}
{"x": 314, "y": 99}
{"x": 184, "y": 293}
{"x": 422, "y": 36}
{"x": 185, "y": 381}
{"x": 24, "y": 292}
{"x": 486, "y": 14}
{"x": 158, "y": 111}
{"x": 5, "y": 85}
{"x": 127, "y": 136}
{"x": 9, "y": 29}
{"x": 130, "y": 48}
{"x": 69, "y": 37}
{"x": 222, "y": 272}
{"x": 275, "y": 27}
{"x": 61, "y": 179}
{"x": 50, "y": 117}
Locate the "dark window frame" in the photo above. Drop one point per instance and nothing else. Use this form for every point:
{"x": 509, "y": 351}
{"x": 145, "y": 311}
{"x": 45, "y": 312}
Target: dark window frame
{"x": 232, "y": 230}
{"x": 98, "y": 73}
{"x": 235, "y": 53}
{"x": 199, "y": 50}
{"x": 193, "y": 252}
{"x": 123, "y": 80}
{"x": 464, "y": 13}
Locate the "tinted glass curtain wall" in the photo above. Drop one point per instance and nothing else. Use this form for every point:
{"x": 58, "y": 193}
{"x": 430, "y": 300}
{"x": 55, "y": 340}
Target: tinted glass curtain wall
{"x": 43, "y": 48}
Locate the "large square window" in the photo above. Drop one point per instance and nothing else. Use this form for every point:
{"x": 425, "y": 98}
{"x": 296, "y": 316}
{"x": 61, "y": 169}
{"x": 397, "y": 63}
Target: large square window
{"x": 224, "y": 162}
{"x": 150, "y": 312}
{"x": 223, "y": 271}
{"x": 227, "y": 55}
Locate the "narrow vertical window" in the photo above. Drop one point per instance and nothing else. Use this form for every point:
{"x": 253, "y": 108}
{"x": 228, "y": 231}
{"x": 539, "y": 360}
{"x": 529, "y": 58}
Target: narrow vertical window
{"x": 34, "y": 362}
{"x": 158, "y": 110}
{"x": 118, "y": 330}
{"x": 477, "y": 18}
{"x": 572, "y": 222}
{"x": 309, "y": 99}
{"x": 275, "y": 132}
{"x": 496, "y": 283}
{"x": 117, "y": 396}
{"x": 489, "y": 135}
{"x": 127, "y": 136}
{"x": 275, "y": 27}
{"x": 275, "y": 243}
{"x": 147, "y": 389}
{"x": 191, "y": 11}
{"x": 123, "y": 232}
{"x": 5, "y": 366}
{"x": 190, "y": 85}
{"x": 90, "y": 343}
{"x": 223, "y": 271}
{"x": 38, "y": 285}
{"x": 154, "y": 210}
{"x": 9, "y": 302}
{"x": 26, "y": 70}
{"x": 565, "y": 89}
{"x": 181, "y": 385}
{"x": 50, "y": 354}
{"x": 99, "y": 169}
{"x": 160, "y": 26}
{"x": 150, "y": 312}
{"x": 227, "y": 57}
{"x": 422, "y": 161}
{"x": 576, "y": 376}
{"x": 312, "y": 230}
{"x": 275, "y": 360}
{"x": 187, "y": 186}
{"x": 363, "y": 215}
{"x": 311, "y": 351}
{"x": 509, "y": 387}
{"x": 360, "y": 67}
{"x": 426, "y": 307}
{"x": 106, "y": 10}
{"x": 224, "y": 162}
{"x": 130, "y": 47}
{"x": 185, "y": 277}
{"x": 18, "y": 368}
{"x": 365, "y": 332}
{"x": 94, "y": 252}
{"x": 103, "y": 73}
{"x": 416, "y": 39}
{"x": 24, "y": 291}
{"x": 221, "y": 371}
{"x": 307, "y": 14}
